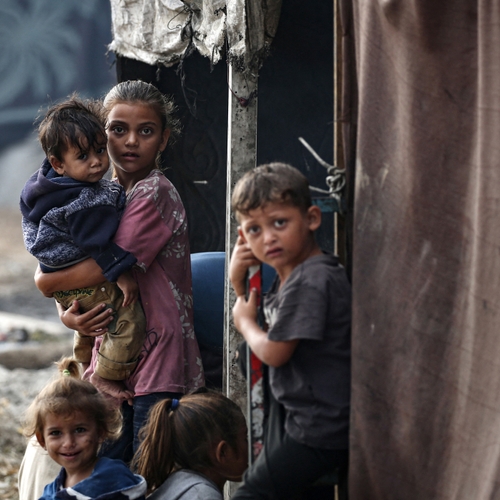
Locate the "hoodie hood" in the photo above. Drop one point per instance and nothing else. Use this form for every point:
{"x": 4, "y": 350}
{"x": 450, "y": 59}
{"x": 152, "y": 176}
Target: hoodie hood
{"x": 46, "y": 189}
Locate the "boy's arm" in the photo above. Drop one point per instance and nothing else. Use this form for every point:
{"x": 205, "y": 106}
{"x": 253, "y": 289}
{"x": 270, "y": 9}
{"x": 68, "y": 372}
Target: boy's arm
{"x": 83, "y": 274}
{"x": 92, "y": 230}
{"x": 270, "y": 352}
{"x": 241, "y": 259}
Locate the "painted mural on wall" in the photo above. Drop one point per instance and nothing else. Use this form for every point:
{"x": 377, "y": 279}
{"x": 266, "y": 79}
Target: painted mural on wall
{"x": 50, "y": 49}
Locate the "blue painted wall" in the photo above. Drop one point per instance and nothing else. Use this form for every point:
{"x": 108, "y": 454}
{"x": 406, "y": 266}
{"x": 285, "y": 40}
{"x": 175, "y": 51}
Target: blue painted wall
{"x": 48, "y": 49}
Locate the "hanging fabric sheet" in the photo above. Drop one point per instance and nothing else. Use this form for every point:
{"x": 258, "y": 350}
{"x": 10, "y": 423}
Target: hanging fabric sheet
{"x": 426, "y": 258}
{"x": 164, "y": 31}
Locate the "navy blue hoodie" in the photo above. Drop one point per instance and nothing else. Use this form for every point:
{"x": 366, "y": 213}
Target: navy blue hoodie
{"x": 65, "y": 221}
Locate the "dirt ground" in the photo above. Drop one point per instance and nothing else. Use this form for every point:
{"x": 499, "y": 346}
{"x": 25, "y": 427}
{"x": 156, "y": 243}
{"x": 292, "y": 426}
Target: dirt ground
{"x": 18, "y": 293}
{"x": 31, "y": 339}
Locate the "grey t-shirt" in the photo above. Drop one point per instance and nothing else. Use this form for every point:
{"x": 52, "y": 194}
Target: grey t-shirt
{"x": 187, "y": 485}
{"x": 314, "y": 306}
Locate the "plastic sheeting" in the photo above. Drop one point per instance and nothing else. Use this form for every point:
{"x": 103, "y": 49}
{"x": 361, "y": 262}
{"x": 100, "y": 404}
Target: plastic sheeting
{"x": 151, "y": 32}
{"x": 426, "y": 249}
{"x": 165, "y": 31}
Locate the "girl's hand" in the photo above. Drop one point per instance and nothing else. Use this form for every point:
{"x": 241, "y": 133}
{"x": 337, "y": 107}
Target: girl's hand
{"x": 93, "y": 323}
{"x": 245, "y": 313}
{"x": 241, "y": 259}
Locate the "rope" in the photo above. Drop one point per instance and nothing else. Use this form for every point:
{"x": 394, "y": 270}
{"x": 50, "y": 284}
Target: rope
{"x": 335, "y": 179}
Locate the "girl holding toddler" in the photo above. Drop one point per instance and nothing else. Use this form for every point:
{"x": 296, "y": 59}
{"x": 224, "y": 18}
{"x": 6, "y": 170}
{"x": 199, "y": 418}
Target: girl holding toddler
{"x": 153, "y": 228}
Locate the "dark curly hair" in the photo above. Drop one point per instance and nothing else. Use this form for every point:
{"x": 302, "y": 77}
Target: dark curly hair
{"x": 272, "y": 182}
{"x": 73, "y": 122}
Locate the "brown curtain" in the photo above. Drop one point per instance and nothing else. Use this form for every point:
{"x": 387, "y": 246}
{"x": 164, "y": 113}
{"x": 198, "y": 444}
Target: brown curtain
{"x": 426, "y": 248}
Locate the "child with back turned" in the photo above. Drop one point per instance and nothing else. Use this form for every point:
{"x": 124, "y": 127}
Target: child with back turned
{"x": 307, "y": 342}
{"x": 70, "y": 420}
{"x": 192, "y": 446}
{"x": 71, "y": 213}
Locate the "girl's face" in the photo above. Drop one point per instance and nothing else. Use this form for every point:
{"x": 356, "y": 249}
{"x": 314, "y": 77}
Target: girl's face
{"x": 135, "y": 137}
{"x": 229, "y": 463}
{"x": 72, "y": 441}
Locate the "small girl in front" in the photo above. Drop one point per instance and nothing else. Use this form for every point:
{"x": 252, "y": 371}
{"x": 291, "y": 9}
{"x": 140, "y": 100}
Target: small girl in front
{"x": 70, "y": 420}
{"x": 192, "y": 446}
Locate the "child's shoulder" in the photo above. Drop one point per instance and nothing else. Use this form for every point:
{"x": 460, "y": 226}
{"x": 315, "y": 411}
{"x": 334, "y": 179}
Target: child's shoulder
{"x": 323, "y": 260}
{"x": 103, "y": 192}
{"x": 107, "y": 465}
{"x": 124, "y": 480}
{"x": 156, "y": 187}
{"x": 318, "y": 280}
{"x": 110, "y": 185}
{"x": 320, "y": 270}
{"x": 187, "y": 484}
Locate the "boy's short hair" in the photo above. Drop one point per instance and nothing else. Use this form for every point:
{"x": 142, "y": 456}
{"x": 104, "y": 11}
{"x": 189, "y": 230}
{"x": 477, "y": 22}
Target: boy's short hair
{"x": 271, "y": 183}
{"x": 73, "y": 122}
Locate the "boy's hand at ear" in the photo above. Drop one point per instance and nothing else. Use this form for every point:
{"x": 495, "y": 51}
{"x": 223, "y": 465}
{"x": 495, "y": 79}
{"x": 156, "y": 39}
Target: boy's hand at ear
{"x": 241, "y": 259}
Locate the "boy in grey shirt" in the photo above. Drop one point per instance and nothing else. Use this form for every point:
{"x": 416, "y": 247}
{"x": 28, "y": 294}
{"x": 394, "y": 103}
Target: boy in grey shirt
{"x": 307, "y": 343}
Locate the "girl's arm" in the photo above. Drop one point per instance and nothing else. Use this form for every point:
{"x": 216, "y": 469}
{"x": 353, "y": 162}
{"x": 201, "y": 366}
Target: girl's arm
{"x": 271, "y": 352}
{"x": 83, "y": 274}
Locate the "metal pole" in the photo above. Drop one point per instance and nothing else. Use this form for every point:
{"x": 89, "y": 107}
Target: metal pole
{"x": 335, "y": 122}
{"x": 340, "y": 247}
{"x": 241, "y": 157}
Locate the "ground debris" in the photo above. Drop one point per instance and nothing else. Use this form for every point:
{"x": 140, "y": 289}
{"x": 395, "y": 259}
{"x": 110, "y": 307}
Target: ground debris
{"x": 9, "y": 469}
{"x": 18, "y": 387}
{"x": 26, "y": 365}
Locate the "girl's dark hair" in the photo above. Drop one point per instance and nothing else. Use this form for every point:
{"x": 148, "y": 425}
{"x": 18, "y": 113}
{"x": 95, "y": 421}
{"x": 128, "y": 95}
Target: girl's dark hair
{"x": 72, "y": 122}
{"x": 184, "y": 437}
{"x": 137, "y": 91}
{"x": 273, "y": 182}
{"x": 68, "y": 394}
